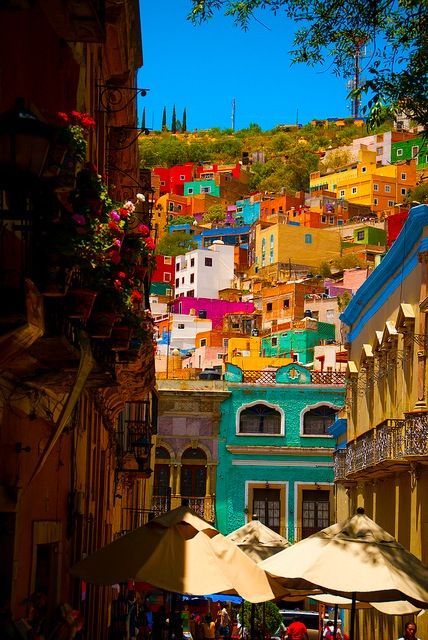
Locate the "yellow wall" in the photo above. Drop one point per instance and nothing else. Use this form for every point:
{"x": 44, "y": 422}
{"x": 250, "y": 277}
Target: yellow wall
{"x": 254, "y": 361}
{"x": 290, "y": 245}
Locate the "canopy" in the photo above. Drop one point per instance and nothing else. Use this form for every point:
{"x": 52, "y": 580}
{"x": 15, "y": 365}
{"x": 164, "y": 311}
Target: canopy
{"x": 182, "y": 553}
{"x": 356, "y": 559}
{"x": 257, "y": 540}
{"x": 393, "y": 608}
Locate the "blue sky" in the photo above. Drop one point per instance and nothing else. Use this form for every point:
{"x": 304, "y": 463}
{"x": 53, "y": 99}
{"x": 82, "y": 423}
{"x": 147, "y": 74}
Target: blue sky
{"x": 204, "y": 68}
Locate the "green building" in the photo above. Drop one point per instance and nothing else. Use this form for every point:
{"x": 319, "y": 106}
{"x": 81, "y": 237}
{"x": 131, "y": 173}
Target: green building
{"x": 275, "y": 452}
{"x": 408, "y": 149}
{"x": 298, "y": 343}
{"x": 197, "y": 187}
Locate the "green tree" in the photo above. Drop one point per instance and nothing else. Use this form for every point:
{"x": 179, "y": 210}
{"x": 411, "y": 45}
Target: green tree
{"x": 272, "y": 616}
{"x": 418, "y": 194}
{"x": 324, "y": 269}
{"x": 175, "y": 244}
{"x": 184, "y": 121}
{"x": 164, "y": 119}
{"x": 173, "y": 121}
{"x": 395, "y": 33}
{"x": 347, "y": 261}
{"x": 181, "y": 220}
{"x": 336, "y": 159}
{"x": 216, "y": 213}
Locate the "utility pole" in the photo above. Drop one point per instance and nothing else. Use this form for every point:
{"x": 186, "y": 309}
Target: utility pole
{"x": 233, "y": 113}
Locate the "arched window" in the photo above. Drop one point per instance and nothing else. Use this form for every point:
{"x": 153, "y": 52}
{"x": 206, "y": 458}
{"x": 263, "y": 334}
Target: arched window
{"x": 316, "y": 421}
{"x": 161, "y": 500}
{"x": 260, "y": 418}
{"x": 193, "y": 473}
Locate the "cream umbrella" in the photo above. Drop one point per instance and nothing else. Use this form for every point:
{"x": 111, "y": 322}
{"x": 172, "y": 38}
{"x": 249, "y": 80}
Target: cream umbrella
{"x": 257, "y": 540}
{"x": 182, "y": 553}
{"x": 356, "y": 559}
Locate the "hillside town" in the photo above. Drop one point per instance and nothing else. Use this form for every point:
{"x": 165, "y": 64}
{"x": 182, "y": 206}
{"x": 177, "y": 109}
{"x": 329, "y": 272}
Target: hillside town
{"x": 172, "y": 338}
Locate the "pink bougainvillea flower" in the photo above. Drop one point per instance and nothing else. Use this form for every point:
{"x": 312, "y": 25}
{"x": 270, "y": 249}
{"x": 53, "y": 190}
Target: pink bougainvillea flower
{"x": 63, "y": 117}
{"x": 129, "y": 206}
{"x": 115, "y": 256}
{"x": 124, "y": 213}
{"x": 121, "y": 275}
{"x": 143, "y": 229}
{"x": 150, "y": 243}
{"x": 117, "y": 242}
{"x": 136, "y": 296}
{"x": 114, "y": 216}
{"x": 79, "y": 219}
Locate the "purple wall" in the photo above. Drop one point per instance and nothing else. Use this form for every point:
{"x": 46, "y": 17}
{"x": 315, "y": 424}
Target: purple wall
{"x": 215, "y": 309}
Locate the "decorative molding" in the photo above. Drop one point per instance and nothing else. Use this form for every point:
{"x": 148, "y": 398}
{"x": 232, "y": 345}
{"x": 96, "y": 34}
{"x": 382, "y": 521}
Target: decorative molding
{"x": 252, "y": 450}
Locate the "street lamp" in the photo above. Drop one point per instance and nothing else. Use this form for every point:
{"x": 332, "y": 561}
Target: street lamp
{"x": 24, "y": 140}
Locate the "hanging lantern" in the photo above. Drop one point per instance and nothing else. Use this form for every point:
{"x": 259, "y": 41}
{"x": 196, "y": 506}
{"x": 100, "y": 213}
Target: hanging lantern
{"x": 24, "y": 141}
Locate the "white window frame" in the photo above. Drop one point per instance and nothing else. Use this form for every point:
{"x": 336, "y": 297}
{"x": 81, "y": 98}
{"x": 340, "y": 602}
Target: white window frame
{"x": 354, "y": 190}
{"x": 206, "y": 189}
{"x": 404, "y": 176}
{"x": 261, "y": 435}
{"x": 375, "y": 187}
{"x": 375, "y": 201}
{"x": 190, "y": 191}
{"x": 342, "y": 193}
{"x": 391, "y": 203}
{"x": 182, "y": 177}
{"x": 167, "y": 259}
{"x": 315, "y": 406}
{"x": 387, "y": 188}
{"x": 399, "y": 152}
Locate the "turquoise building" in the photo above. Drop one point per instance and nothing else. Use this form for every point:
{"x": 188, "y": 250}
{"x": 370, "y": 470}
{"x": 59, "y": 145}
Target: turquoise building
{"x": 247, "y": 211}
{"x": 297, "y": 342}
{"x": 275, "y": 451}
{"x": 197, "y": 187}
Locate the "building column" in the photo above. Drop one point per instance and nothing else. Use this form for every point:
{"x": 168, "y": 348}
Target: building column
{"x": 421, "y": 399}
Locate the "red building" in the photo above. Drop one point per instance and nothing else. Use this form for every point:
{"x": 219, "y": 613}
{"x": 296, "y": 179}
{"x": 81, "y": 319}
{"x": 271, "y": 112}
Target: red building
{"x": 394, "y": 224}
{"x": 165, "y": 269}
{"x": 172, "y": 179}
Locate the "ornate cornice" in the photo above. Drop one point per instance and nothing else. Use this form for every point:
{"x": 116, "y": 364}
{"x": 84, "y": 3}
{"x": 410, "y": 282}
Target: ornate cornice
{"x": 278, "y": 451}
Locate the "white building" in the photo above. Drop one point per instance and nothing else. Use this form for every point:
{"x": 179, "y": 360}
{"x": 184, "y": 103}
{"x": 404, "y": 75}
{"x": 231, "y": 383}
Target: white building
{"x": 183, "y": 330}
{"x": 202, "y": 273}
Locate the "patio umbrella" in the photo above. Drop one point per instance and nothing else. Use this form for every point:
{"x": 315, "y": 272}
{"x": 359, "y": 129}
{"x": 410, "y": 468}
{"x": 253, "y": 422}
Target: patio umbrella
{"x": 356, "y": 559}
{"x": 182, "y": 553}
{"x": 393, "y": 608}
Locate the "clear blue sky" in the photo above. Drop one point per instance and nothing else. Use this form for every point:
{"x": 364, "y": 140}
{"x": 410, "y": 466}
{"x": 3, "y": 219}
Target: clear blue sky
{"x": 204, "y": 68}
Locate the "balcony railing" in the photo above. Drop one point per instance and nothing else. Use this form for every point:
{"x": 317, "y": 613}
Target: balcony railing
{"x": 317, "y": 377}
{"x": 390, "y": 443}
{"x": 203, "y": 506}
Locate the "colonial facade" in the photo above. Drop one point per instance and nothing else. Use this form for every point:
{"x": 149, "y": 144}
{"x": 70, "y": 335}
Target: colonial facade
{"x": 383, "y": 466}
{"x": 77, "y": 402}
{"x": 275, "y": 454}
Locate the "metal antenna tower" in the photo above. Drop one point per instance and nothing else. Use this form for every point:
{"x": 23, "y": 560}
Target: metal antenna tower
{"x": 233, "y": 113}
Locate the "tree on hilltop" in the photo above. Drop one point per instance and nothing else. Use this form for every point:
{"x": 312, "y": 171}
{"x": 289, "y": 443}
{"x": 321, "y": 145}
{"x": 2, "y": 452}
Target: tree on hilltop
{"x": 164, "y": 119}
{"x": 173, "y": 121}
{"x": 184, "y": 121}
{"x": 175, "y": 244}
{"x": 397, "y": 69}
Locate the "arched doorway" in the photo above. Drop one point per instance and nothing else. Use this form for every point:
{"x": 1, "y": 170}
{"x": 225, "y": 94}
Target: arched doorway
{"x": 161, "y": 501}
{"x": 193, "y": 479}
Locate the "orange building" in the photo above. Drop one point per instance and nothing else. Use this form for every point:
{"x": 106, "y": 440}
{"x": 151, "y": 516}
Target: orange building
{"x": 285, "y": 302}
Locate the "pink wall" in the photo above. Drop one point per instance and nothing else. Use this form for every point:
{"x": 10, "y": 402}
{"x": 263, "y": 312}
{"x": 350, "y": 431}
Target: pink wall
{"x": 215, "y": 309}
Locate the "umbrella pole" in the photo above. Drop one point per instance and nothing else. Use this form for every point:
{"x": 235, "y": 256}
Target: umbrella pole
{"x": 242, "y": 618}
{"x": 264, "y": 620}
{"x": 336, "y": 611}
{"x": 353, "y": 612}
{"x": 253, "y": 617}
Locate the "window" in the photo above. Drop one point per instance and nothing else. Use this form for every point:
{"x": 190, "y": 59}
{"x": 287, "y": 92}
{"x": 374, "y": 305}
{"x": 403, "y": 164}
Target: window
{"x": 323, "y": 219}
{"x": 219, "y": 356}
{"x": 274, "y": 342}
{"x": 308, "y": 238}
{"x": 415, "y": 152}
{"x": 391, "y": 203}
{"x": 403, "y": 191}
{"x": 363, "y": 169}
{"x": 193, "y": 473}
{"x": 286, "y": 303}
{"x": 354, "y": 190}
{"x": 162, "y": 183}
{"x": 339, "y": 221}
{"x": 190, "y": 191}
{"x": 208, "y": 262}
{"x": 168, "y": 292}
{"x": 260, "y": 418}
{"x": 269, "y": 306}
{"x": 177, "y": 282}
{"x": 182, "y": 280}
{"x": 387, "y": 188}
{"x": 180, "y": 326}
{"x": 316, "y": 421}
{"x": 375, "y": 187}
{"x": 315, "y": 511}
{"x": 166, "y": 276}
{"x": 203, "y": 342}
{"x": 177, "y": 266}
{"x": 182, "y": 177}
{"x": 342, "y": 193}
{"x": 331, "y": 220}
{"x": 192, "y": 277}
{"x": 379, "y": 151}
{"x": 375, "y": 201}
{"x": 192, "y": 262}
{"x": 167, "y": 260}
{"x": 404, "y": 176}
{"x": 399, "y": 152}
{"x": 267, "y": 507}
{"x": 360, "y": 235}
{"x": 225, "y": 343}
{"x": 205, "y": 189}
{"x": 191, "y": 293}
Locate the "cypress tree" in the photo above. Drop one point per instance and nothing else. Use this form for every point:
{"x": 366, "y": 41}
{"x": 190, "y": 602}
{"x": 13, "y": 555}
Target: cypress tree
{"x": 173, "y": 121}
{"x": 143, "y": 119}
{"x": 184, "y": 121}
{"x": 164, "y": 119}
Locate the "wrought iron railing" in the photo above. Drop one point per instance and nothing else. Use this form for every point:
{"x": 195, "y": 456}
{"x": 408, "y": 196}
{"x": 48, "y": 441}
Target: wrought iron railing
{"x": 317, "y": 377}
{"x": 203, "y": 506}
{"x": 391, "y": 441}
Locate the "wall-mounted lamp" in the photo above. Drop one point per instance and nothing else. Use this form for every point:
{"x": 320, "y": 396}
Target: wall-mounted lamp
{"x": 19, "y": 448}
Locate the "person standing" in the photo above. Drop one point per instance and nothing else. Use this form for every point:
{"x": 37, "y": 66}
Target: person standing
{"x": 224, "y": 627}
{"x": 409, "y": 632}
{"x": 297, "y": 630}
{"x": 209, "y": 628}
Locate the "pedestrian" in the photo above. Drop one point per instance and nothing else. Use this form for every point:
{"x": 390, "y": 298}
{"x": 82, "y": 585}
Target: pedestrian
{"x": 209, "y": 627}
{"x": 297, "y": 630}
{"x": 409, "y": 632}
{"x": 224, "y": 626}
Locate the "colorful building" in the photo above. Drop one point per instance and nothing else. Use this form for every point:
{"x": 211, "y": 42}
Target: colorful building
{"x": 201, "y": 273}
{"x": 172, "y": 179}
{"x": 384, "y": 464}
{"x": 214, "y": 309}
{"x": 286, "y": 301}
{"x": 415, "y": 148}
{"x": 299, "y": 340}
{"x": 364, "y": 182}
{"x": 275, "y": 452}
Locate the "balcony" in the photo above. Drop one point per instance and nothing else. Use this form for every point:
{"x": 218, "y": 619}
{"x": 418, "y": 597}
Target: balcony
{"x": 203, "y": 506}
{"x": 390, "y": 446}
{"x": 316, "y": 377}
